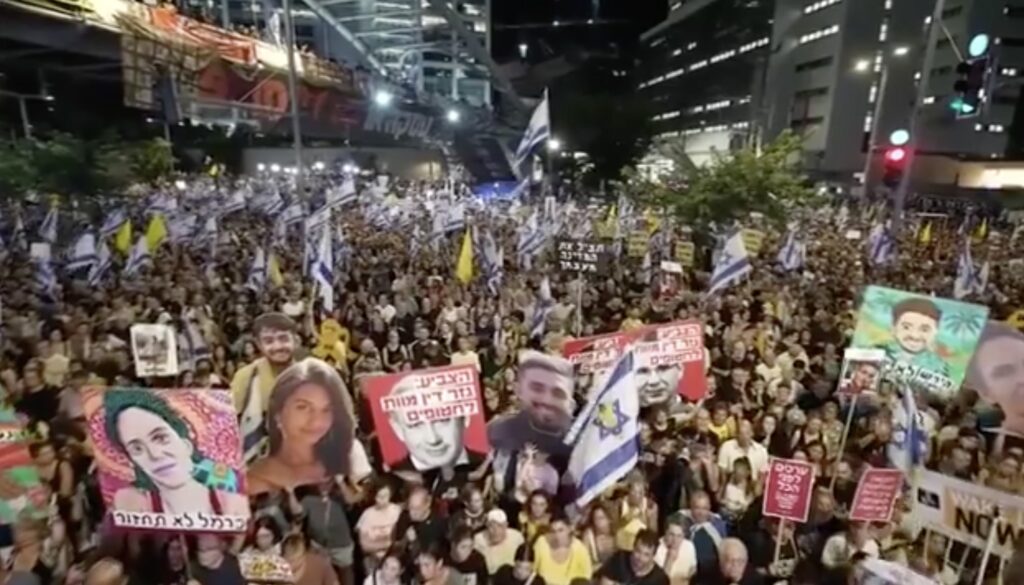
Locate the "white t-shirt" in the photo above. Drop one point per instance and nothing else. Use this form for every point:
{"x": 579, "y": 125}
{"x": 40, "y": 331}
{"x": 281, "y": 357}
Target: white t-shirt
{"x": 684, "y": 566}
{"x": 755, "y": 453}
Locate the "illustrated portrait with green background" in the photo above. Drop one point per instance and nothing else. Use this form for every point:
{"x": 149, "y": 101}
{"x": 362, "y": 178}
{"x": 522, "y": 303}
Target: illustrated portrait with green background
{"x": 921, "y": 333}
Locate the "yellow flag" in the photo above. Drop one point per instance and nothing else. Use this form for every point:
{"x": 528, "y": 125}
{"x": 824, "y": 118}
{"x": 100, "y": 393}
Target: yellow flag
{"x": 123, "y": 238}
{"x": 464, "y": 265}
{"x": 156, "y": 232}
{"x": 274, "y": 271}
{"x": 925, "y": 237}
{"x": 982, "y": 232}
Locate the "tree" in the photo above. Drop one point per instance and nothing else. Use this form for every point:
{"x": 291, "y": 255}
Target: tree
{"x": 732, "y": 186}
{"x": 614, "y": 130}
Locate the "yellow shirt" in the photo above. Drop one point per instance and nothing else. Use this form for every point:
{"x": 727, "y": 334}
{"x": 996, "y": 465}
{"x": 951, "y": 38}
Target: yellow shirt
{"x": 577, "y": 566}
{"x": 243, "y": 379}
{"x": 724, "y": 432}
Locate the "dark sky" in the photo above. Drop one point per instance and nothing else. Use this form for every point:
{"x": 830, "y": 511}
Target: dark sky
{"x": 618, "y": 22}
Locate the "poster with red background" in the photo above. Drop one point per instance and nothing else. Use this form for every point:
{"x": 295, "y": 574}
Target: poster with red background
{"x": 426, "y": 419}
{"x": 876, "y": 495}
{"x": 668, "y": 356}
{"x": 787, "y": 491}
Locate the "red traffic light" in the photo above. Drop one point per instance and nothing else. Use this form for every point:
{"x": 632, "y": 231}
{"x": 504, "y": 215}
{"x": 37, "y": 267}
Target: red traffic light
{"x": 896, "y": 155}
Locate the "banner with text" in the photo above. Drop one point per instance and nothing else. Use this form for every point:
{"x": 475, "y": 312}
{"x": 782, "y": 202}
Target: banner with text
{"x": 581, "y": 256}
{"x": 169, "y": 459}
{"x": 787, "y": 491}
{"x": 428, "y": 419}
{"x": 876, "y": 495}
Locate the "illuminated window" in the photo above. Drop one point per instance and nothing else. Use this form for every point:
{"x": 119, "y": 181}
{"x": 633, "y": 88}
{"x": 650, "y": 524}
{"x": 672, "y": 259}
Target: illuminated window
{"x": 820, "y": 5}
{"x": 819, "y": 34}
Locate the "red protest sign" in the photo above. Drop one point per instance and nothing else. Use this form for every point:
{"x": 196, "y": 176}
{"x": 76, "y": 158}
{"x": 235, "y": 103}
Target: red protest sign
{"x": 876, "y": 495}
{"x": 669, "y": 359}
{"x": 787, "y": 492}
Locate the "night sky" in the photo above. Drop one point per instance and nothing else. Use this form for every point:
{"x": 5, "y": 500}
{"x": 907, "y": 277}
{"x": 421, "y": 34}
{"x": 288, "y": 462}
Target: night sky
{"x": 618, "y": 23}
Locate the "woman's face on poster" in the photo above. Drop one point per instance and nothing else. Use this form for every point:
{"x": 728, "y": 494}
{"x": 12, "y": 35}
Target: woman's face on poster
{"x": 152, "y": 445}
{"x": 306, "y": 415}
{"x": 1001, "y": 362}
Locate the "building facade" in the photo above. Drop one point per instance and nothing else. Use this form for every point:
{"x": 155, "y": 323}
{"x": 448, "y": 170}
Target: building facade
{"x": 702, "y": 72}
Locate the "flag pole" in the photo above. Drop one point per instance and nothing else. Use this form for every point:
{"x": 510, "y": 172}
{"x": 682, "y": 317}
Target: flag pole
{"x": 842, "y": 442}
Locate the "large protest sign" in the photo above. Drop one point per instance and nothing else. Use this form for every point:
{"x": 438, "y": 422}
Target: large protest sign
{"x": 996, "y": 372}
{"x": 154, "y": 349}
{"x": 21, "y": 491}
{"x": 637, "y": 244}
{"x": 669, "y": 359}
{"x": 168, "y": 459}
{"x": 862, "y": 371}
{"x": 684, "y": 253}
{"x": 428, "y": 419}
{"x": 928, "y": 341}
{"x": 965, "y": 512}
{"x": 876, "y": 495}
{"x": 586, "y": 256}
{"x": 787, "y": 490}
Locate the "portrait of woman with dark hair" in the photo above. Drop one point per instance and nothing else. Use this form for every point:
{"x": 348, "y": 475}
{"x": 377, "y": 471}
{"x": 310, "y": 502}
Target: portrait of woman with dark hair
{"x": 311, "y": 428}
{"x": 171, "y": 475}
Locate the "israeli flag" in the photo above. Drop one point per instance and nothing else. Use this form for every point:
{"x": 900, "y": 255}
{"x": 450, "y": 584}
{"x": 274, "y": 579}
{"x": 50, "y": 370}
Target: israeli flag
{"x": 793, "y": 253}
{"x": 343, "y": 194}
{"x": 732, "y": 264}
{"x": 20, "y": 237}
{"x": 45, "y": 277}
{"x": 964, "y": 284}
{"x": 102, "y": 265}
{"x": 981, "y": 279}
{"x": 318, "y": 220}
{"x": 541, "y": 309}
{"x": 881, "y": 245}
{"x": 48, "y": 229}
{"x": 293, "y": 214}
{"x": 138, "y": 257}
{"x": 235, "y": 203}
{"x": 83, "y": 254}
{"x": 271, "y": 204}
{"x": 180, "y": 227}
{"x": 323, "y": 271}
{"x": 606, "y": 434}
{"x": 537, "y": 133}
{"x": 455, "y": 220}
{"x": 493, "y": 263}
{"x": 257, "y": 279}
{"x": 162, "y": 203}
{"x": 531, "y": 240}
{"x": 908, "y": 446}
{"x": 112, "y": 223}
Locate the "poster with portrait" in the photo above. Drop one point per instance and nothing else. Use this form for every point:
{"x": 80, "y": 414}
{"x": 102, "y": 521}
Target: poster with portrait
{"x": 21, "y": 491}
{"x": 670, "y": 360}
{"x": 168, "y": 459}
{"x": 996, "y": 372}
{"x": 154, "y": 350}
{"x": 928, "y": 341}
{"x": 427, "y": 419}
{"x": 265, "y": 568}
{"x": 862, "y": 371}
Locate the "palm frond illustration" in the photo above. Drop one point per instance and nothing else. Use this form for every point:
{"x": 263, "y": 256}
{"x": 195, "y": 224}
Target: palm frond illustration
{"x": 965, "y": 324}
{"x": 881, "y": 300}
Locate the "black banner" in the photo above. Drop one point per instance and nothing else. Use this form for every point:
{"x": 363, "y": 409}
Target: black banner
{"x": 583, "y": 256}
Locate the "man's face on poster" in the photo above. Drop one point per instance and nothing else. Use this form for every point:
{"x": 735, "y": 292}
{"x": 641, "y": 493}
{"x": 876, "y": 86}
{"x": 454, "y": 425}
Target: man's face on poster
{"x": 915, "y": 332}
{"x": 277, "y": 345}
{"x": 431, "y": 443}
{"x": 1001, "y": 362}
{"x": 546, "y": 397}
{"x": 865, "y": 376}
{"x": 657, "y": 383}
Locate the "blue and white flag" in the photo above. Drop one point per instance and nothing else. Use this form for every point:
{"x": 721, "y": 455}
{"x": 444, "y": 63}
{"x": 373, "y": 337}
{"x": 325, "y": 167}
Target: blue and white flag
{"x": 112, "y": 223}
{"x": 881, "y": 245}
{"x": 162, "y": 203}
{"x": 541, "y": 309}
{"x": 793, "y": 253}
{"x": 537, "y": 133}
{"x": 964, "y": 284}
{"x": 531, "y": 241}
{"x": 908, "y": 446}
{"x": 19, "y": 238}
{"x": 342, "y": 194}
{"x": 981, "y": 279}
{"x": 455, "y": 219}
{"x": 181, "y": 226}
{"x": 102, "y": 265}
{"x": 493, "y": 262}
{"x": 48, "y": 229}
{"x": 45, "y": 277}
{"x": 732, "y": 264}
{"x": 271, "y": 203}
{"x": 138, "y": 257}
{"x": 318, "y": 219}
{"x": 83, "y": 254}
{"x": 257, "y": 279}
{"x": 293, "y": 214}
{"x": 606, "y": 434}
{"x": 235, "y": 203}
{"x": 323, "y": 271}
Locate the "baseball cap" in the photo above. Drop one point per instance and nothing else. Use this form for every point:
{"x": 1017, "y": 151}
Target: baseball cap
{"x": 497, "y": 516}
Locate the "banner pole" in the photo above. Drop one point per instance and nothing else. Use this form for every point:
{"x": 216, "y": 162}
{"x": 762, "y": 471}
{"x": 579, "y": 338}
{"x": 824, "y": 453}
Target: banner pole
{"x": 842, "y": 442}
{"x": 579, "y": 306}
{"x": 778, "y": 541}
{"x": 989, "y": 543}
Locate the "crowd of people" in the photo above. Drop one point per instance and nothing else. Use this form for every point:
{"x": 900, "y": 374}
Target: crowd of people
{"x": 691, "y": 511}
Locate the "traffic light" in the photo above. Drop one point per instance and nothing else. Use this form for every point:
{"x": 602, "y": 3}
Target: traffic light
{"x": 973, "y": 78}
{"x": 895, "y": 163}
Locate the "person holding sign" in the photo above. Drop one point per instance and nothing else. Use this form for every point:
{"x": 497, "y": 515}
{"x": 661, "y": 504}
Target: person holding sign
{"x": 162, "y": 450}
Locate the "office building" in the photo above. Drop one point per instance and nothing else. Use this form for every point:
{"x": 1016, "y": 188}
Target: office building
{"x": 839, "y": 64}
{"x": 702, "y": 72}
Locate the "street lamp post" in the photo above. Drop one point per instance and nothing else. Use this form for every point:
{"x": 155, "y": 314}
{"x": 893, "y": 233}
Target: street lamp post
{"x": 23, "y": 98}
{"x": 293, "y": 93}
